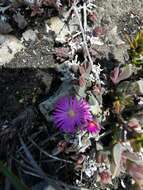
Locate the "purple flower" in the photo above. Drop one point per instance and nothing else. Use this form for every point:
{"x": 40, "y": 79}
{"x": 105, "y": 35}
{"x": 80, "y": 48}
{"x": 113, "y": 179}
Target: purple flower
{"x": 71, "y": 113}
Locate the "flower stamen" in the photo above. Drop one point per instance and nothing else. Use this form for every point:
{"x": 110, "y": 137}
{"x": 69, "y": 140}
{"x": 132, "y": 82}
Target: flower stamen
{"x": 71, "y": 113}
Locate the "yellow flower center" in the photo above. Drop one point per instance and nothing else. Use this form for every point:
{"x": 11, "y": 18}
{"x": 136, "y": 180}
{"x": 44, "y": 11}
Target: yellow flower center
{"x": 71, "y": 113}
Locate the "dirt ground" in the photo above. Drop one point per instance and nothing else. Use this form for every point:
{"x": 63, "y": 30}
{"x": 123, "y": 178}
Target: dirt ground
{"x": 23, "y": 79}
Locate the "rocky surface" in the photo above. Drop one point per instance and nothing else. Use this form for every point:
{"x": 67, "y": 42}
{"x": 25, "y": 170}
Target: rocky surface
{"x": 116, "y": 17}
{"x": 9, "y": 46}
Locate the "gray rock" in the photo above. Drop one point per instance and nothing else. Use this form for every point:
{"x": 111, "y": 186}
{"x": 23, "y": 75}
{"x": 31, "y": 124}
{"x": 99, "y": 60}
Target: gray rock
{"x": 46, "y": 107}
{"x": 20, "y": 19}
{"x": 5, "y": 27}
{"x": 29, "y": 35}
{"x": 2, "y": 39}
{"x": 10, "y": 46}
{"x": 131, "y": 88}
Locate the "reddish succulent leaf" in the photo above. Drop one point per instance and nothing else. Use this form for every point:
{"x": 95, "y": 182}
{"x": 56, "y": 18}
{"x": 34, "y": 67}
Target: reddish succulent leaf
{"x": 119, "y": 74}
{"x": 82, "y": 69}
{"x": 62, "y": 145}
{"x": 36, "y": 10}
{"x": 136, "y": 171}
{"x": 92, "y": 16}
{"x": 98, "y": 31}
{"x": 102, "y": 157}
{"x": 82, "y": 81}
{"x": 133, "y": 157}
{"x": 81, "y": 159}
{"x": 105, "y": 177}
{"x": 134, "y": 124}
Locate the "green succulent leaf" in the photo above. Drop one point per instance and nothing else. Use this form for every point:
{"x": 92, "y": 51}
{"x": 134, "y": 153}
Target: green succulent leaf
{"x": 136, "y": 49}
